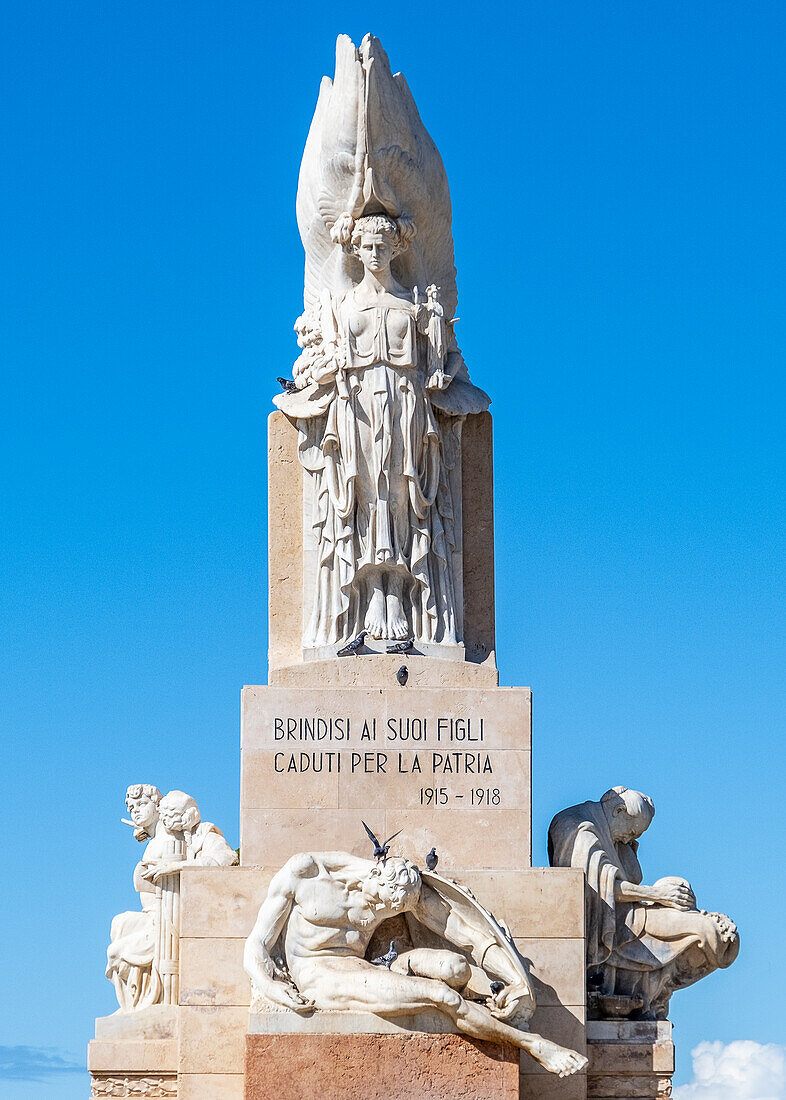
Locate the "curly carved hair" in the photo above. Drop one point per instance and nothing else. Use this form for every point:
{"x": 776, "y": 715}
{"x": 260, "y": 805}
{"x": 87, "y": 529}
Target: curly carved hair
{"x": 348, "y": 232}
{"x": 144, "y": 790}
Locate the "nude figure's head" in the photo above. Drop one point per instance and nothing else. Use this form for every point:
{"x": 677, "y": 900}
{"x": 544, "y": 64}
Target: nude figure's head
{"x": 628, "y": 813}
{"x": 392, "y": 884}
{"x": 178, "y": 812}
{"x": 376, "y": 239}
{"x": 142, "y": 801}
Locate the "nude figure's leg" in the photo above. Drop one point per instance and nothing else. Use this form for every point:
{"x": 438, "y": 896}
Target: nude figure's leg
{"x": 397, "y": 625}
{"x": 354, "y": 985}
{"x": 375, "y": 620}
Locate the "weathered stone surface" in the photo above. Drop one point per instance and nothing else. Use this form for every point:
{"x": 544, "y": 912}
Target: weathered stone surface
{"x": 211, "y": 972}
{"x": 407, "y": 1067}
{"x": 212, "y": 1086}
{"x": 563, "y": 1024}
{"x": 629, "y": 1059}
{"x": 450, "y": 768}
{"x": 132, "y": 1055}
{"x": 211, "y": 1039}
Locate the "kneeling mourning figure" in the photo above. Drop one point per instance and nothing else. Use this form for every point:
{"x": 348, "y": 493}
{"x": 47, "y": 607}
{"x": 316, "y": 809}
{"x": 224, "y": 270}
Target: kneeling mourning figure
{"x": 643, "y": 942}
{"x": 313, "y": 948}
{"x": 142, "y": 955}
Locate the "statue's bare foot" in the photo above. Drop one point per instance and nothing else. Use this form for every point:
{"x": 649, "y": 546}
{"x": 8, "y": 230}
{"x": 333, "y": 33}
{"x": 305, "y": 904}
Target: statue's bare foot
{"x": 557, "y": 1059}
{"x": 397, "y": 627}
{"x": 375, "y": 622}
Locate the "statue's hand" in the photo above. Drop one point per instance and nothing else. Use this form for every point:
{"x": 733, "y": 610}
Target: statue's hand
{"x": 509, "y": 1001}
{"x": 437, "y": 381}
{"x": 160, "y": 870}
{"x": 287, "y": 995}
{"x": 675, "y": 895}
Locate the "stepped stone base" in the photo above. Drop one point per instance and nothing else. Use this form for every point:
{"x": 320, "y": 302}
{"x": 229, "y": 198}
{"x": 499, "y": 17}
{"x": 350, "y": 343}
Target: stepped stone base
{"x": 629, "y": 1060}
{"x": 379, "y": 1067}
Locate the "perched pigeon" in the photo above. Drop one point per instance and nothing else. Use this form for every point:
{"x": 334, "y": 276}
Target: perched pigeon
{"x": 432, "y": 859}
{"x": 353, "y": 646}
{"x": 388, "y": 959}
{"x": 380, "y": 850}
{"x": 401, "y": 647}
{"x": 287, "y": 385}
{"x": 497, "y": 987}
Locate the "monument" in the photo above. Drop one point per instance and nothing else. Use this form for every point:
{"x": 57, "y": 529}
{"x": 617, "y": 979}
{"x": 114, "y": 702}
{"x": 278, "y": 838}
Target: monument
{"x": 381, "y": 932}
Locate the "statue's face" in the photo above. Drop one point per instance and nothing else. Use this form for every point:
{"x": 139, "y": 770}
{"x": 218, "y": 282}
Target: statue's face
{"x": 143, "y": 811}
{"x": 375, "y": 251}
{"x": 172, "y": 815}
{"x": 626, "y": 827}
{"x": 391, "y": 894}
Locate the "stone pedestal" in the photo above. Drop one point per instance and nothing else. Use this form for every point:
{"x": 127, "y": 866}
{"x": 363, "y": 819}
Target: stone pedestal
{"x": 378, "y": 1067}
{"x": 629, "y": 1060}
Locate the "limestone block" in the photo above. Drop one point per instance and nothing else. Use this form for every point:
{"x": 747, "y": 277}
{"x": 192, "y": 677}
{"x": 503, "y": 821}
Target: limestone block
{"x": 446, "y": 767}
{"x": 210, "y": 1086}
{"x": 379, "y": 669}
{"x": 285, "y": 542}
{"x": 132, "y": 1056}
{"x": 221, "y": 901}
{"x": 629, "y": 1060}
{"x": 409, "y": 1067}
{"x": 155, "y": 1022}
{"x": 535, "y": 903}
{"x": 557, "y": 970}
{"x": 211, "y": 972}
{"x": 212, "y": 1039}
{"x": 563, "y": 1024}
{"x": 542, "y": 1086}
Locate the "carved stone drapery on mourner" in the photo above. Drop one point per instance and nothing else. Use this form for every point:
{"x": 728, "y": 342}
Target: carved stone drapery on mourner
{"x": 643, "y": 942}
{"x": 315, "y": 947}
{"x": 381, "y": 388}
{"x": 142, "y": 957}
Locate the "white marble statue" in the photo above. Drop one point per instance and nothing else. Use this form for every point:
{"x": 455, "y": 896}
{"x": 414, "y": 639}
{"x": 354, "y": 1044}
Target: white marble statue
{"x": 311, "y": 950}
{"x": 643, "y": 942}
{"x": 381, "y": 388}
{"x": 142, "y": 957}
{"x": 133, "y": 935}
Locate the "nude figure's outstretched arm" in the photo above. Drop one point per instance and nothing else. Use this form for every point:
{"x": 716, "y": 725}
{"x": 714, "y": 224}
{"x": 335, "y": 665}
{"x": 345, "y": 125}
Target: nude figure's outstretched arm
{"x": 276, "y": 908}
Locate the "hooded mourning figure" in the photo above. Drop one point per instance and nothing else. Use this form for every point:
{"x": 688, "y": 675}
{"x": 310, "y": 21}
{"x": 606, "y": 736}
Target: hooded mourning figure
{"x": 643, "y": 942}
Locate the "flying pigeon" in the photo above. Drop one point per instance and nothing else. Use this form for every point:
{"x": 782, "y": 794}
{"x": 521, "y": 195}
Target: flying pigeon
{"x": 380, "y": 850}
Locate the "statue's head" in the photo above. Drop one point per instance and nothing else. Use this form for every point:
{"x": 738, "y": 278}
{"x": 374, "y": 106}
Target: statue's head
{"x": 392, "y": 884}
{"x": 178, "y": 812}
{"x": 142, "y": 801}
{"x": 376, "y": 238}
{"x": 628, "y": 813}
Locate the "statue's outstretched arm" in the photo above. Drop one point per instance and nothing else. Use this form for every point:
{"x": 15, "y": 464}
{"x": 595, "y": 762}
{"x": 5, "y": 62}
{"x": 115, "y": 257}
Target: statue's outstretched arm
{"x": 257, "y": 958}
{"x": 675, "y": 895}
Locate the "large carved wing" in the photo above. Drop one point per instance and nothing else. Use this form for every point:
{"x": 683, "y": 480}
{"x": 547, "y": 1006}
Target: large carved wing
{"x": 368, "y": 152}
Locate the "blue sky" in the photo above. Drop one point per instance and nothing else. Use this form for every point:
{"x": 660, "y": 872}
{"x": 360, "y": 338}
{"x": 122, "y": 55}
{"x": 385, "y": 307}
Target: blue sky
{"x": 617, "y": 173}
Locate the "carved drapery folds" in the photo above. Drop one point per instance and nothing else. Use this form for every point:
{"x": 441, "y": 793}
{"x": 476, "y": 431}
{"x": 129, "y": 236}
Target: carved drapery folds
{"x": 380, "y": 388}
{"x": 143, "y": 953}
{"x": 643, "y": 942}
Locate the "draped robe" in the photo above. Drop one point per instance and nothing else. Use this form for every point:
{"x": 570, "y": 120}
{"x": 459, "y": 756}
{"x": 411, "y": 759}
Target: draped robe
{"x": 383, "y": 458}
{"x": 633, "y": 948}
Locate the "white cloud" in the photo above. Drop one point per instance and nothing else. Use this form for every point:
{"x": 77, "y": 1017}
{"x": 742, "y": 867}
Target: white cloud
{"x": 742, "y": 1070}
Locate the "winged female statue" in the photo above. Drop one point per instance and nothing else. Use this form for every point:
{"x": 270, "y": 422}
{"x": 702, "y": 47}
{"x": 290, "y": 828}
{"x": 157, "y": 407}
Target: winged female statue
{"x": 381, "y": 388}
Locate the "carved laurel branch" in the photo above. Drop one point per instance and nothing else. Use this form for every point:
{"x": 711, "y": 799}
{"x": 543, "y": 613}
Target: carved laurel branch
{"x": 134, "y": 1086}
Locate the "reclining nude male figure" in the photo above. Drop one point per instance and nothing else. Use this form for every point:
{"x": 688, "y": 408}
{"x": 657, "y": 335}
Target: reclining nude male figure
{"x": 328, "y": 904}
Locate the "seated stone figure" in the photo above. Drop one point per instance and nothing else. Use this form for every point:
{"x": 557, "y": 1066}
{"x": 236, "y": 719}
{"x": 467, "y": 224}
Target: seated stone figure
{"x": 133, "y": 935}
{"x": 643, "y": 942}
{"x": 308, "y": 951}
{"x": 166, "y": 823}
